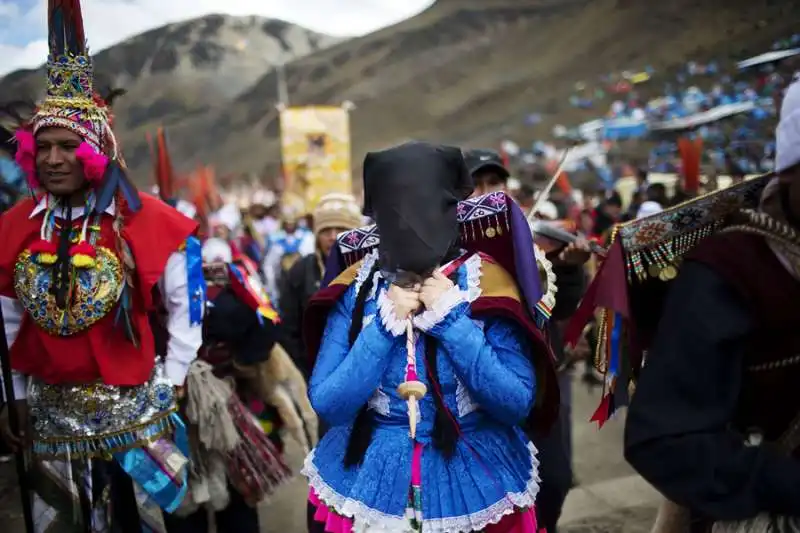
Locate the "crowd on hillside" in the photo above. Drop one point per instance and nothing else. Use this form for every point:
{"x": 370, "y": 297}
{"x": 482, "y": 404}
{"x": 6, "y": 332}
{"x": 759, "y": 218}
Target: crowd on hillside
{"x": 730, "y": 107}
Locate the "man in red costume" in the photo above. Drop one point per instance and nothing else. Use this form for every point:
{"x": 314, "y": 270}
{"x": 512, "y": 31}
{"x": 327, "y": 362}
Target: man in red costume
{"x": 80, "y": 271}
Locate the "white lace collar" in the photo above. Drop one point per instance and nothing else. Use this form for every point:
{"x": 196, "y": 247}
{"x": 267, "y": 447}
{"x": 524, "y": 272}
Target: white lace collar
{"x": 472, "y": 264}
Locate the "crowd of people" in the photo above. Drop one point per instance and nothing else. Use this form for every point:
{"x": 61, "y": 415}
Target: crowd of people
{"x": 158, "y": 351}
{"x": 729, "y": 106}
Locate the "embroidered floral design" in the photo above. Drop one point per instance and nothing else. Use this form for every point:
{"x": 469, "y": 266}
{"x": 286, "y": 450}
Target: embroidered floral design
{"x": 650, "y": 233}
{"x": 687, "y": 219}
{"x": 690, "y": 216}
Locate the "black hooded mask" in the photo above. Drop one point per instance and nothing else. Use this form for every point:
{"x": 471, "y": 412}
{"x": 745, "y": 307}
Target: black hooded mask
{"x": 412, "y": 192}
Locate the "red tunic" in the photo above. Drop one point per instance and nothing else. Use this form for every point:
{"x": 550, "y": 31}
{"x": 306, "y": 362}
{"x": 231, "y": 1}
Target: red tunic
{"x": 102, "y": 351}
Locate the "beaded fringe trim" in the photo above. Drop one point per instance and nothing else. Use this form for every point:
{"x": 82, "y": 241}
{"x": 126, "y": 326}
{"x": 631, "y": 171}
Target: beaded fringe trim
{"x": 102, "y": 446}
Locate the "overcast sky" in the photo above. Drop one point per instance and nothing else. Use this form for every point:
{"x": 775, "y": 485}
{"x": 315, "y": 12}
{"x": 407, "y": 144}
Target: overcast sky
{"x": 23, "y": 23}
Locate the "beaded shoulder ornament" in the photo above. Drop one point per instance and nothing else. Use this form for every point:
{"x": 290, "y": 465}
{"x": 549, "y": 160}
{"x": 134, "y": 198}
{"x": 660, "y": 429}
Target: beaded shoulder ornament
{"x": 548, "y": 279}
{"x": 644, "y": 257}
{"x": 492, "y": 224}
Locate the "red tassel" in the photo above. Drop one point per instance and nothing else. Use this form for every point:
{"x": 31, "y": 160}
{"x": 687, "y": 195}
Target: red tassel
{"x": 44, "y": 252}
{"x": 43, "y": 247}
{"x": 83, "y": 248}
{"x": 83, "y": 255}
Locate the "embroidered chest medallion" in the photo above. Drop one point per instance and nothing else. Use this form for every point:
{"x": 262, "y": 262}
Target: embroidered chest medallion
{"x": 94, "y": 292}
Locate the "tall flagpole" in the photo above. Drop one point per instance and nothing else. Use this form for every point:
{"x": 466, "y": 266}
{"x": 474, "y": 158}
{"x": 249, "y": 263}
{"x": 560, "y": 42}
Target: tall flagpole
{"x": 14, "y": 422}
{"x": 283, "y": 88}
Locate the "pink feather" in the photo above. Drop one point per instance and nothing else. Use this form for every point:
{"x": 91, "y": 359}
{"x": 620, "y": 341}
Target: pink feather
{"x": 94, "y": 163}
{"x": 26, "y": 156}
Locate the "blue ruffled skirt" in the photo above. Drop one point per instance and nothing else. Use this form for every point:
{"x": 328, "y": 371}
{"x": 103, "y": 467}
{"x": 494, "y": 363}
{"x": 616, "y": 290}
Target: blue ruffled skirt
{"x": 493, "y": 473}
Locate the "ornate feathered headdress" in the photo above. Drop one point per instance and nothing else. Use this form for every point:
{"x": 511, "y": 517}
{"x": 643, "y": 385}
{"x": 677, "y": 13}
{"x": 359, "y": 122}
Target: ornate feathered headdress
{"x": 72, "y": 103}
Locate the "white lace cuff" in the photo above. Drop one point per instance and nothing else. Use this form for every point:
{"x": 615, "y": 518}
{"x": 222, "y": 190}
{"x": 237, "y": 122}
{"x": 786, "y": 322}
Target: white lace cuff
{"x": 393, "y": 325}
{"x": 440, "y": 309}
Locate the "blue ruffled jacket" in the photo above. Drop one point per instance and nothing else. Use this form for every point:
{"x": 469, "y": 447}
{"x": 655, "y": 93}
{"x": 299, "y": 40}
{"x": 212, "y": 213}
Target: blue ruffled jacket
{"x": 488, "y": 384}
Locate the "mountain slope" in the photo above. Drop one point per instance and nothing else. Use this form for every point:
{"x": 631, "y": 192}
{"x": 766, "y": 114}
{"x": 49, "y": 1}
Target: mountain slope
{"x": 180, "y": 70}
{"x": 467, "y": 72}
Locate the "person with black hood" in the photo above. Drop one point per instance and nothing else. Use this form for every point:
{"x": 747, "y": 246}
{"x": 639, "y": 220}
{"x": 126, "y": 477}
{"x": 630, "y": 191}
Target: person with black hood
{"x": 555, "y": 447}
{"x": 423, "y": 339}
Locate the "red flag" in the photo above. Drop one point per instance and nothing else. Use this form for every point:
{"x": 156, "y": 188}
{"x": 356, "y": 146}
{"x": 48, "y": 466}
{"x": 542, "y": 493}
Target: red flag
{"x": 609, "y": 289}
{"x": 690, "y": 151}
{"x": 164, "y": 173}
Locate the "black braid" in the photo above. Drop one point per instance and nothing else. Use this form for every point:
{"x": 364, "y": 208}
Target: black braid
{"x": 61, "y": 269}
{"x": 364, "y": 425}
{"x": 444, "y": 434}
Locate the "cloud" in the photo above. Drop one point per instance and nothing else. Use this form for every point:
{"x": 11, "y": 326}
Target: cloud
{"x": 16, "y": 57}
{"x": 108, "y": 22}
{"x": 7, "y": 9}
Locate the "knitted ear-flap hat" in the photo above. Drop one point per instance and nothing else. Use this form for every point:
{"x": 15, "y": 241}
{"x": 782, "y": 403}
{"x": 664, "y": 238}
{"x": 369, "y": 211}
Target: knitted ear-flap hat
{"x": 337, "y": 210}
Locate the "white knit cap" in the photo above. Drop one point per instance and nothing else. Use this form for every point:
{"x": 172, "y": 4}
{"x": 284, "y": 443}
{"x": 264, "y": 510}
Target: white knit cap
{"x": 649, "y": 208}
{"x": 187, "y": 209}
{"x": 787, "y": 134}
{"x": 228, "y": 216}
{"x": 215, "y": 250}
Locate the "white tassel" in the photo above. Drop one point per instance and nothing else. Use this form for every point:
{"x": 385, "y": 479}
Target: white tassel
{"x": 207, "y": 400}
{"x": 411, "y": 391}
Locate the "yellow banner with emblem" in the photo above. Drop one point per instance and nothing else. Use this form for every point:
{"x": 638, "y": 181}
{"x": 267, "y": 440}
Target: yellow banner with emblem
{"x": 315, "y": 146}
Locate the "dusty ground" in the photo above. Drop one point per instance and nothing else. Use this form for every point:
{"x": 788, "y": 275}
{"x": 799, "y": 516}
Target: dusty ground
{"x": 609, "y": 499}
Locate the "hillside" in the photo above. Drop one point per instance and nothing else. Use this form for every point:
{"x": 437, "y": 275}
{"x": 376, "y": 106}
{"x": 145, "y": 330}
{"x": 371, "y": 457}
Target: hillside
{"x": 180, "y": 70}
{"x": 467, "y": 72}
